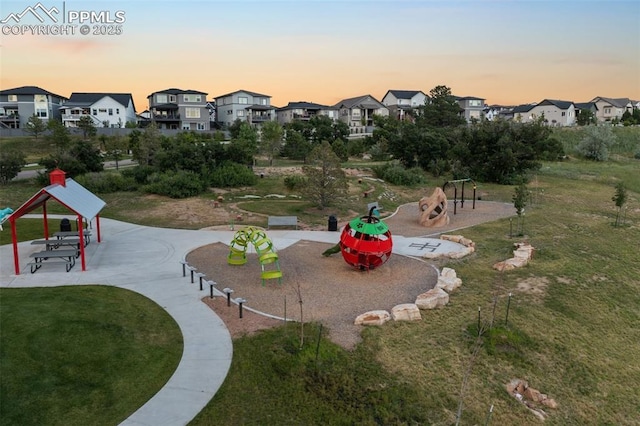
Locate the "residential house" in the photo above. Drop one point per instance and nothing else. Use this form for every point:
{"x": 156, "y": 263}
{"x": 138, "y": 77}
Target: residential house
{"x": 610, "y": 109}
{"x": 358, "y": 113}
{"x": 104, "y": 109}
{"x": 554, "y": 112}
{"x": 471, "y": 107}
{"x": 304, "y": 111}
{"x": 589, "y": 106}
{"x": 521, "y": 113}
{"x": 404, "y": 104}
{"x": 254, "y": 108}
{"x": 19, "y": 104}
{"x": 493, "y": 112}
{"x": 179, "y": 109}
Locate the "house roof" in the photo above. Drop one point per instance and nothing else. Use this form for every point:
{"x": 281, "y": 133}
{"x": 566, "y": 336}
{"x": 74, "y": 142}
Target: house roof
{"x": 91, "y": 98}
{"x": 174, "y": 91}
{"x": 29, "y": 90}
{"x": 72, "y": 195}
{"x": 616, "y": 102}
{"x": 586, "y": 105}
{"x": 468, "y": 98}
{"x": 302, "y": 105}
{"x": 403, "y": 94}
{"x": 245, "y": 91}
{"x": 557, "y": 103}
{"x": 522, "y": 108}
{"x": 366, "y": 101}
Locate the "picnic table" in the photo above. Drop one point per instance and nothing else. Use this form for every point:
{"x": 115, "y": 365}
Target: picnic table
{"x": 68, "y": 258}
{"x": 53, "y": 244}
{"x": 282, "y": 221}
{"x": 70, "y": 234}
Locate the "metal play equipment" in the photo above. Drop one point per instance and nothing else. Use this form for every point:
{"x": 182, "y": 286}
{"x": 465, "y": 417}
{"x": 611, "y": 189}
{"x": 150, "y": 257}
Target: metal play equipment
{"x": 263, "y": 245}
{"x": 366, "y": 242}
{"x": 455, "y": 192}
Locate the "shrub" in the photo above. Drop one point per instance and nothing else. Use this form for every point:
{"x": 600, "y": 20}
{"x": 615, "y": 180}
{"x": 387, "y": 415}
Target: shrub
{"x": 107, "y": 182}
{"x": 295, "y": 182}
{"x": 139, "y": 173}
{"x": 396, "y": 174}
{"x": 596, "y": 143}
{"x": 180, "y": 184}
{"x": 232, "y": 175}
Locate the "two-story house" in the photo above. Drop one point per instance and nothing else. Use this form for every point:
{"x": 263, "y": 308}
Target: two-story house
{"x": 304, "y": 111}
{"x": 358, "y": 113}
{"x": 471, "y": 107}
{"x": 104, "y": 109}
{"x": 554, "y": 112}
{"x": 254, "y": 108}
{"x": 610, "y": 109}
{"x": 179, "y": 109}
{"x": 19, "y": 104}
{"x": 404, "y": 104}
{"x": 520, "y": 113}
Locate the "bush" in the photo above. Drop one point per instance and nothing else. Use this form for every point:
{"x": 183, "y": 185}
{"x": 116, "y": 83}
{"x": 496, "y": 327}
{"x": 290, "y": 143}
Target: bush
{"x": 295, "y": 182}
{"x": 180, "y": 184}
{"x": 596, "y": 143}
{"x": 139, "y": 173}
{"x": 232, "y": 175}
{"x": 107, "y": 182}
{"x": 396, "y": 174}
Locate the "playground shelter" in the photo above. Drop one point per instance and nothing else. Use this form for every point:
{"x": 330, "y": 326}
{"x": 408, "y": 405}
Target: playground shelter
{"x": 70, "y": 194}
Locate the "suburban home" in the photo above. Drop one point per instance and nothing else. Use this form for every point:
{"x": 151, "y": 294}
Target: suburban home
{"x": 404, "y": 104}
{"x": 590, "y": 106}
{"x": 493, "y": 112}
{"x": 179, "y": 109}
{"x": 471, "y": 107}
{"x": 521, "y": 113}
{"x": 104, "y": 109}
{"x": 304, "y": 111}
{"x": 19, "y": 104}
{"x": 254, "y": 108}
{"x": 358, "y": 113}
{"x": 610, "y": 109}
{"x": 554, "y": 112}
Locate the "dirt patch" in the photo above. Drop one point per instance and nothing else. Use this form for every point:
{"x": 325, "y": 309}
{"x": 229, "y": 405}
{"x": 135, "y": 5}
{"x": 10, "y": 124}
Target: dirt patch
{"x": 535, "y": 286}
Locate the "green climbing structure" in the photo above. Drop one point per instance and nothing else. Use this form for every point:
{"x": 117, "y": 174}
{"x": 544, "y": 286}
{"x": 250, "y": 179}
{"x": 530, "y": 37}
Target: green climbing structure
{"x": 263, "y": 245}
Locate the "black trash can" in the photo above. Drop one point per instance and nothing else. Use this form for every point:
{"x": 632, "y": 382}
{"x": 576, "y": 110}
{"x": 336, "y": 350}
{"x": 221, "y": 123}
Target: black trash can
{"x": 333, "y": 223}
{"x": 65, "y": 225}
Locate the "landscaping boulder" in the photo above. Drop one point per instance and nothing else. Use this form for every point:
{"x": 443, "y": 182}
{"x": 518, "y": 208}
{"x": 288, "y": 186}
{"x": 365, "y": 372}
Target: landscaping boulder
{"x": 432, "y": 299}
{"x": 406, "y": 312}
{"x": 373, "y": 318}
{"x": 448, "y": 280}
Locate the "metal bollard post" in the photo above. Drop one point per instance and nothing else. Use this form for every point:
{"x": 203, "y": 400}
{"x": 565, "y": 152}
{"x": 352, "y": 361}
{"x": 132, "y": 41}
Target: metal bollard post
{"x": 200, "y": 275}
{"x": 240, "y": 302}
{"x": 211, "y": 284}
{"x": 184, "y": 268}
{"x": 228, "y": 292}
{"x": 192, "y": 269}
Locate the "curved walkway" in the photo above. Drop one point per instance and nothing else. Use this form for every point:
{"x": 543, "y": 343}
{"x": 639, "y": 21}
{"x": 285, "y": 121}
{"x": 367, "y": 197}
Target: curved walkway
{"x": 147, "y": 260}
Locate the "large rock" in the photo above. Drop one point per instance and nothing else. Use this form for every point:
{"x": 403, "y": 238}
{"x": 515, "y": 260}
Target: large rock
{"x": 406, "y": 312}
{"x": 432, "y": 299}
{"x": 448, "y": 280}
{"x": 521, "y": 256}
{"x": 373, "y": 318}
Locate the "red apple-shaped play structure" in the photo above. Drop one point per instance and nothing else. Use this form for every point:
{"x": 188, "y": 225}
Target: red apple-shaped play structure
{"x": 366, "y": 242}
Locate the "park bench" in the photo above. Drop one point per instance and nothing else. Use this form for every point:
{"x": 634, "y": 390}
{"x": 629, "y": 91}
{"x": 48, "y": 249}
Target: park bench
{"x": 53, "y": 244}
{"x": 68, "y": 257}
{"x": 282, "y": 221}
{"x": 70, "y": 234}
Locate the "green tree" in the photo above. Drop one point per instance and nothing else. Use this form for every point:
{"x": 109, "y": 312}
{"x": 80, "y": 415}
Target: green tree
{"x": 619, "y": 198}
{"x": 11, "y": 162}
{"x": 520, "y": 198}
{"x": 585, "y": 117}
{"x": 88, "y": 128}
{"x": 271, "y": 139}
{"x": 59, "y": 136}
{"x": 326, "y": 181}
{"x": 296, "y": 146}
{"x": 115, "y": 147}
{"x": 35, "y": 126}
{"x": 441, "y": 109}
{"x": 146, "y": 146}
{"x": 596, "y": 143}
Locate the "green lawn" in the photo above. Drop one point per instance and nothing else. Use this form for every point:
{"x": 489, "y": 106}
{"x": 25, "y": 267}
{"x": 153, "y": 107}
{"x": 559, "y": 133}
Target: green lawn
{"x": 85, "y": 355}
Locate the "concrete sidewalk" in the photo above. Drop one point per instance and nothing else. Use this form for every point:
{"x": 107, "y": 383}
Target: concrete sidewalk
{"x": 147, "y": 260}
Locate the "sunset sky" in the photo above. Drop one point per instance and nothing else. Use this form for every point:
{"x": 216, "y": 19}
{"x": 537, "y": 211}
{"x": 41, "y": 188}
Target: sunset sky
{"x": 508, "y": 52}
